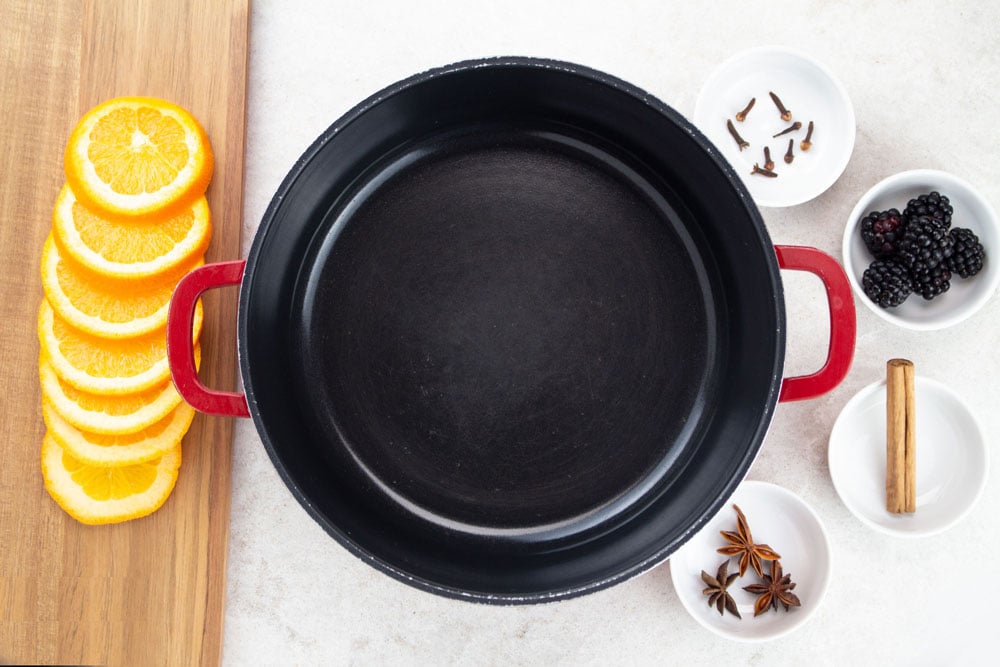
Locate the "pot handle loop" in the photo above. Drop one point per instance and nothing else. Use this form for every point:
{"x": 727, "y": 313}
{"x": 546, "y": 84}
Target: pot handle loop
{"x": 180, "y": 348}
{"x": 843, "y": 322}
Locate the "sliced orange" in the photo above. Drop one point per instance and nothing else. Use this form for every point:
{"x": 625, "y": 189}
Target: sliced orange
{"x": 102, "y": 365}
{"x": 139, "y": 249}
{"x": 107, "y": 494}
{"x": 108, "y": 415}
{"x": 117, "y": 450}
{"x": 138, "y": 156}
{"x": 103, "y": 307}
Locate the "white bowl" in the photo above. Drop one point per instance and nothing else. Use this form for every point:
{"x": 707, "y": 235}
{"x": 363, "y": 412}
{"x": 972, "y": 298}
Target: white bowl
{"x": 952, "y": 460}
{"x": 971, "y": 210}
{"x": 783, "y": 521}
{"x": 809, "y": 91}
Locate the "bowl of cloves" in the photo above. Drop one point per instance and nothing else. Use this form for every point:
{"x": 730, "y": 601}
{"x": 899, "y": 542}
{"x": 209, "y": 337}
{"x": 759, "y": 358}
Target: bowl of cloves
{"x": 919, "y": 249}
{"x": 782, "y": 120}
{"x": 758, "y": 569}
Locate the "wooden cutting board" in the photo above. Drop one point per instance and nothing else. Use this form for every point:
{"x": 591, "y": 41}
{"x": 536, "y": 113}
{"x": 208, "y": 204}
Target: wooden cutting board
{"x": 149, "y": 591}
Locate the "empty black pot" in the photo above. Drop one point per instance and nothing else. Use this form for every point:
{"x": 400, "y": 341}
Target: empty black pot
{"x": 511, "y": 330}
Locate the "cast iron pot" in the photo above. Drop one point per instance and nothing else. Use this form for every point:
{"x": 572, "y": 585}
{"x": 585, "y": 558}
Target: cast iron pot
{"x": 511, "y": 330}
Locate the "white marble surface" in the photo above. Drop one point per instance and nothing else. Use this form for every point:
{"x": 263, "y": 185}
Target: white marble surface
{"x": 922, "y": 76}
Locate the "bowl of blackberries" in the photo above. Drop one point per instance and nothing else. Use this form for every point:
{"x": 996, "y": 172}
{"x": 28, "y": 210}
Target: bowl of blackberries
{"x": 922, "y": 249}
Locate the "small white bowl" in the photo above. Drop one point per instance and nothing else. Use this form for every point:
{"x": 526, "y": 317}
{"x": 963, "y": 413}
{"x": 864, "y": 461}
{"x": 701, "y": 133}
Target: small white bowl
{"x": 952, "y": 460}
{"x": 776, "y": 517}
{"x": 971, "y": 210}
{"x": 810, "y": 91}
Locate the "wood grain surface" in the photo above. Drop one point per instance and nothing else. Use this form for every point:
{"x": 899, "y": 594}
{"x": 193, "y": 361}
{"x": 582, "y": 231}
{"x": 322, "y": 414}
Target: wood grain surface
{"x": 149, "y": 591}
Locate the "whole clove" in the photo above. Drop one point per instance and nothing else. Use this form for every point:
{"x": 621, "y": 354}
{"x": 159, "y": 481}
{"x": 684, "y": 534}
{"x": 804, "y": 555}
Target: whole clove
{"x": 768, "y": 162}
{"x": 786, "y": 115}
{"x": 742, "y": 115}
{"x": 789, "y": 156}
{"x": 757, "y": 169}
{"x": 791, "y": 128}
{"x": 807, "y": 142}
{"x": 736, "y": 135}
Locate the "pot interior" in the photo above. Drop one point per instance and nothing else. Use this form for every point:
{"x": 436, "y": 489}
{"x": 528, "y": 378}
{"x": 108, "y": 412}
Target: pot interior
{"x": 511, "y": 331}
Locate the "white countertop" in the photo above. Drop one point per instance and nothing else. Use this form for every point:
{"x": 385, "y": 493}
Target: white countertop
{"x": 922, "y": 77}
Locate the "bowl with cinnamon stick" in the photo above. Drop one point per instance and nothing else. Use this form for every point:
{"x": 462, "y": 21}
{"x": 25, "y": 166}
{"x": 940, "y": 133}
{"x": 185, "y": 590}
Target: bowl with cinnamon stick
{"x": 906, "y": 454}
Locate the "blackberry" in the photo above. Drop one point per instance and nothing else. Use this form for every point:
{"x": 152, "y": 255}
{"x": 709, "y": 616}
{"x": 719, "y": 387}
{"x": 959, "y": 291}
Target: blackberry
{"x": 881, "y": 231}
{"x": 932, "y": 205}
{"x": 967, "y": 253}
{"x": 932, "y": 282}
{"x": 887, "y": 283}
{"x": 925, "y": 244}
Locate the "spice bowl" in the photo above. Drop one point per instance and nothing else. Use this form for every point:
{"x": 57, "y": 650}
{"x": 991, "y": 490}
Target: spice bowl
{"x": 804, "y": 87}
{"x": 971, "y": 211}
{"x": 952, "y": 459}
{"x": 778, "y": 518}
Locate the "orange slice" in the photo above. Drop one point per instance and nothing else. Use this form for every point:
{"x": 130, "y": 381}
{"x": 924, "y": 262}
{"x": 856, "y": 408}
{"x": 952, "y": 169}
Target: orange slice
{"x": 107, "y": 415}
{"x": 117, "y": 450}
{"x": 101, "y": 365}
{"x": 107, "y": 494}
{"x": 140, "y": 249}
{"x": 138, "y": 156}
{"x": 106, "y": 308}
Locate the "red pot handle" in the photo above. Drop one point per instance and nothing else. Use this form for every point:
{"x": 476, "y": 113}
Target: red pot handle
{"x": 843, "y": 322}
{"x": 180, "y": 348}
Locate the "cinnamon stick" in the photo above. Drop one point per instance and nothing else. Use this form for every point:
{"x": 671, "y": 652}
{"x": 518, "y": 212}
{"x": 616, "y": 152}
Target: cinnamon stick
{"x": 910, "y": 475}
{"x": 900, "y": 438}
{"x": 895, "y": 436}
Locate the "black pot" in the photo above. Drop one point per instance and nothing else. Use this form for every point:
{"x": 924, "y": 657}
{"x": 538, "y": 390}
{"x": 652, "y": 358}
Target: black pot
{"x": 511, "y": 330}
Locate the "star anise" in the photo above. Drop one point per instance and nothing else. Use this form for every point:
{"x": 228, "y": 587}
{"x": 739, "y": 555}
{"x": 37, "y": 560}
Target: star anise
{"x": 716, "y": 591}
{"x": 777, "y": 587}
{"x": 741, "y": 544}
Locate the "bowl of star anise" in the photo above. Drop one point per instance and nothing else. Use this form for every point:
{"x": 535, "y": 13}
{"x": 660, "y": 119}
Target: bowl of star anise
{"x": 758, "y": 569}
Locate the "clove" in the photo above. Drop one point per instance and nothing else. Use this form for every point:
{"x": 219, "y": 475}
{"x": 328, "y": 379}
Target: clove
{"x": 742, "y": 115}
{"x": 789, "y": 156}
{"x": 786, "y": 115}
{"x": 807, "y": 142}
{"x": 736, "y": 135}
{"x": 791, "y": 128}
{"x": 768, "y": 162}
{"x": 763, "y": 171}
